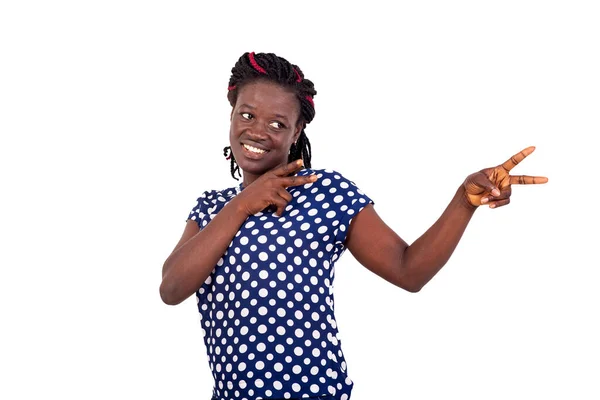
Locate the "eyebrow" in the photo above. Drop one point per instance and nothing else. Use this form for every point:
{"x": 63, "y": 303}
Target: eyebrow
{"x": 252, "y": 108}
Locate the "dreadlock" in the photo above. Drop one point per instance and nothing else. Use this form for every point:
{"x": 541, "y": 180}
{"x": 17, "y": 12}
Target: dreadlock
{"x": 251, "y": 67}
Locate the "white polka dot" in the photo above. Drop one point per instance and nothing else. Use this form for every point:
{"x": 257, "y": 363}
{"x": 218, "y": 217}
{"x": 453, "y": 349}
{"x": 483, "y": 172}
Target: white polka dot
{"x": 263, "y": 256}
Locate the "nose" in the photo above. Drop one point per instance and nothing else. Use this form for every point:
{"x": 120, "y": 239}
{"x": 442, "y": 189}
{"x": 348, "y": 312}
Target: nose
{"x": 257, "y": 132}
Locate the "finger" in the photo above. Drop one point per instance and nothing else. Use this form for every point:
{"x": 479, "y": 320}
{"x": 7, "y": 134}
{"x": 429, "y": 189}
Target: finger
{"x": 504, "y": 194}
{"x": 288, "y": 168}
{"x": 499, "y": 203}
{"x": 280, "y": 204}
{"x": 285, "y": 195}
{"x": 298, "y": 180}
{"x": 517, "y": 158}
{"x": 478, "y": 183}
{"x": 527, "y": 180}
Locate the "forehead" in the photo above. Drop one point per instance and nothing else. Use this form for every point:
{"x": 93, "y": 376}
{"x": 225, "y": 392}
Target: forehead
{"x": 269, "y": 96}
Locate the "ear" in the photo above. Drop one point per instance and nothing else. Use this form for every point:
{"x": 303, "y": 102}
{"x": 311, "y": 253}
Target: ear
{"x": 298, "y": 130}
{"x": 231, "y": 115}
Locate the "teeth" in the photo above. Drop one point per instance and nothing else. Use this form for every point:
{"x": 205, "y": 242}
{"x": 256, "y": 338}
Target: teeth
{"x": 254, "y": 149}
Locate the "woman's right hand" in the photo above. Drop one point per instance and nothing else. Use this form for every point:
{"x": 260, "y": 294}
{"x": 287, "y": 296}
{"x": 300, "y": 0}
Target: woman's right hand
{"x": 269, "y": 190}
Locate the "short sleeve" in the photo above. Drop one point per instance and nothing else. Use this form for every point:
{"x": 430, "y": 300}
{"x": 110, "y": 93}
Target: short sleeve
{"x": 198, "y": 212}
{"x": 346, "y": 199}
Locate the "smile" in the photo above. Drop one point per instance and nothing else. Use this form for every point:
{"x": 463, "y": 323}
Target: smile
{"x": 253, "y": 149}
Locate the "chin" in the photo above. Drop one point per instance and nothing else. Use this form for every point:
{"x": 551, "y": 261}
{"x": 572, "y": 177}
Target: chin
{"x": 256, "y": 164}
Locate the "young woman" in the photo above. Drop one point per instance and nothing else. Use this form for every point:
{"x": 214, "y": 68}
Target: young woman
{"x": 260, "y": 256}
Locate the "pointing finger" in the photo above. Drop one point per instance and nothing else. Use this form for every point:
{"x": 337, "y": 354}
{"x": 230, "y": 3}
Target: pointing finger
{"x": 517, "y": 158}
{"x": 527, "y": 180}
{"x": 299, "y": 180}
{"x": 288, "y": 168}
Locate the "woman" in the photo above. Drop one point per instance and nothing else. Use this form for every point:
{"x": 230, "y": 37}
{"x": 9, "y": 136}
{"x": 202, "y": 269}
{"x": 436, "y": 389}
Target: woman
{"x": 260, "y": 256}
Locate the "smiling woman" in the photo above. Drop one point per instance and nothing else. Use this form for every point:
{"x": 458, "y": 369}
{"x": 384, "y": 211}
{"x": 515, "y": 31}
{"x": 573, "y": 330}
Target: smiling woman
{"x": 260, "y": 256}
{"x": 265, "y": 123}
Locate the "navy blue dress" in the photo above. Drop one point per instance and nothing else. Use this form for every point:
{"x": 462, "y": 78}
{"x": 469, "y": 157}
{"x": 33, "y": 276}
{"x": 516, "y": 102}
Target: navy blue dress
{"x": 267, "y": 309}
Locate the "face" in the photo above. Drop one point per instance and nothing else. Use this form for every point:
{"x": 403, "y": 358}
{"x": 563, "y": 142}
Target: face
{"x": 264, "y": 124}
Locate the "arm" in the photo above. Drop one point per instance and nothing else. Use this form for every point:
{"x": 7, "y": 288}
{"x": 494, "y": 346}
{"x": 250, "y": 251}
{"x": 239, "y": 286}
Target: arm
{"x": 381, "y": 250}
{"x": 376, "y": 246}
{"x": 197, "y": 253}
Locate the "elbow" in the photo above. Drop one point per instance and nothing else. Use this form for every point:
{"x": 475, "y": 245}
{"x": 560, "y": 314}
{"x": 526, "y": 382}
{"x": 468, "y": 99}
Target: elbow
{"x": 409, "y": 283}
{"x": 411, "y": 287}
{"x": 167, "y": 294}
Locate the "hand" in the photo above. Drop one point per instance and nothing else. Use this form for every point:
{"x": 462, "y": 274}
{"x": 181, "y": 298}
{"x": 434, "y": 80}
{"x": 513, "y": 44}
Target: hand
{"x": 492, "y": 186}
{"x": 269, "y": 190}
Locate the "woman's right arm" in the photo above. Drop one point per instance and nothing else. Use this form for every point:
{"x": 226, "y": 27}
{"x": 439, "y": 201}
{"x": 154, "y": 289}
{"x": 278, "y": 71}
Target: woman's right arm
{"x": 197, "y": 253}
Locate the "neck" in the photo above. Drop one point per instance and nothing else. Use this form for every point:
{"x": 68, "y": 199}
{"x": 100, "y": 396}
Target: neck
{"x": 248, "y": 178}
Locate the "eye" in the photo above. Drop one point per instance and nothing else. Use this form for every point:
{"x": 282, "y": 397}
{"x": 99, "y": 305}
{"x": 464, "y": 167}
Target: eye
{"x": 277, "y": 125}
{"x": 246, "y": 115}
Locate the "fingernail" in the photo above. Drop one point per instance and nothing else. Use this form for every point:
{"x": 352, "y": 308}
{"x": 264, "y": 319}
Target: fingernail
{"x": 484, "y": 200}
{"x": 492, "y": 205}
{"x": 299, "y": 162}
{"x": 313, "y": 178}
{"x": 495, "y": 192}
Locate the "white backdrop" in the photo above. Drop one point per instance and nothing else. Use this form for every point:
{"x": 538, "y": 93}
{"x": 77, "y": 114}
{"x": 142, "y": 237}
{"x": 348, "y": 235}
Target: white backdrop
{"x": 113, "y": 117}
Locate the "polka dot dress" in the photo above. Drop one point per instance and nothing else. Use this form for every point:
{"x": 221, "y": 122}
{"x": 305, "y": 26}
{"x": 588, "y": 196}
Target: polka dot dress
{"x": 267, "y": 309}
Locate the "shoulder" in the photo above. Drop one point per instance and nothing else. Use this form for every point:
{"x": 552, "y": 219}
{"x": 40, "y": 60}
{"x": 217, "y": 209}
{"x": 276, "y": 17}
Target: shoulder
{"x": 331, "y": 177}
{"x": 217, "y": 196}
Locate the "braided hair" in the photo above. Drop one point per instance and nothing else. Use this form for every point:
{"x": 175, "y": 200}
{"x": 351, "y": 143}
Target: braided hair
{"x": 251, "y": 67}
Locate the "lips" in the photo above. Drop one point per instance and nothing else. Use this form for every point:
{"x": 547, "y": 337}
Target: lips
{"x": 253, "y": 151}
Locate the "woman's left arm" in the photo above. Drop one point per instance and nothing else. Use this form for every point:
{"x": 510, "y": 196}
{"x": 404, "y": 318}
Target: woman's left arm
{"x": 376, "y": 246}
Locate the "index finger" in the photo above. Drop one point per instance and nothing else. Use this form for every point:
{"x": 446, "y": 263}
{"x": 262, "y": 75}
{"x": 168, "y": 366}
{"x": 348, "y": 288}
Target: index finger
{"x": 517, "y": 158}
{"x": 289, "y": 168}
{"x": 527, "y": 180}
{"x": 298, "y": 180}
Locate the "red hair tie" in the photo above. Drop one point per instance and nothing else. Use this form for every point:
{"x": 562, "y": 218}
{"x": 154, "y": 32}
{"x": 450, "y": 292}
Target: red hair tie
{"x": 298, "y": 75}
{"x": 231, "y": 87}
{"x": 255, "y": 64}
{"x": 310, "y": 100}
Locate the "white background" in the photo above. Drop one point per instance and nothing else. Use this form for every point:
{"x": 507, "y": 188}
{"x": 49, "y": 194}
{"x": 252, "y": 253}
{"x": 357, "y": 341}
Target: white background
{"x": 113, "y": 117}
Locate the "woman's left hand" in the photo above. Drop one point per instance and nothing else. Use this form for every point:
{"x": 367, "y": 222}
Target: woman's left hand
{"x": 492, "y": 186}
